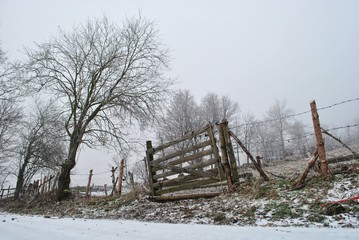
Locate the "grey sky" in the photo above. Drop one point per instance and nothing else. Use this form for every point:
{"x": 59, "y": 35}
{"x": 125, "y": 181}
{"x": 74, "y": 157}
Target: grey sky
{"x": 254, "y": 51}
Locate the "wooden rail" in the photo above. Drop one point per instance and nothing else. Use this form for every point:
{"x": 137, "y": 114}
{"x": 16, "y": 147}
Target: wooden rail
{"x": 189, "y": 162}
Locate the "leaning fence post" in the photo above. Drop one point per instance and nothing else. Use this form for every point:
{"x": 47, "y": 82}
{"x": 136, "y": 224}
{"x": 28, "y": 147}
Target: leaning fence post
{"x": 89, "y": 184}
{"x": 256, "y": 165}
{"x": 319, "y": 138}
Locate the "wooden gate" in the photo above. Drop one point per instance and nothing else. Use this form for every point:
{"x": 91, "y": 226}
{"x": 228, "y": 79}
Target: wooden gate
{"x": 187, "y": 163}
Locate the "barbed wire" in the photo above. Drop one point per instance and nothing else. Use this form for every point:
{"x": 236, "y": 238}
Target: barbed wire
{"x": 308, "y": 134}
{"x": 270, "y": 120}
{"x": 339, "y": 103}
{"x": 94, "y": 174}
{"x": 342, "y": 127}
{"x": 295, "y": 114}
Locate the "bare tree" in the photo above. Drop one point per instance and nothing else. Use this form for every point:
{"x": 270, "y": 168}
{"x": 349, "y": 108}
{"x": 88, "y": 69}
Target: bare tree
{"x": 266, "y": 142}
{"x": 9, "y": 75}
{"x": 248, "y": 130}
{"x": 230, "y": 109}
{"x": 279, "y": 124}
{"x": 182, "y": 116}
{"x": 106, "y": 77}
{"x": 300, "y": 142}
{"x": 215, "y": 108}
{"x": 211, "y": 108}
{"x": 42, "y": 145}
{"x": 10, "y": 114}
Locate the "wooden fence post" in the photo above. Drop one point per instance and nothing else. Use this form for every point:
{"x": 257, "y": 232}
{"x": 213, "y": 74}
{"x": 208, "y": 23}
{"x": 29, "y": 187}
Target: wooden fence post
{"x": 88, "y": 189}
{"x": 8, "y": 192}
{"x": 120, "y": 178}
{"x": 149, "y": 159}
{"x": 49, "y": 183}
{"x": 43, "y": 187}
{"x": 319, "y": 138}
{"x": 229, "y": 147}
{"x": 216, "y": 152}
{"x": 224, "y": 157}
{"x": 105, "y": 188}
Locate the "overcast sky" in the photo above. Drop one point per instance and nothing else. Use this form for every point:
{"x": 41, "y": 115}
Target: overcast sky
{"x": 253, "y": 51}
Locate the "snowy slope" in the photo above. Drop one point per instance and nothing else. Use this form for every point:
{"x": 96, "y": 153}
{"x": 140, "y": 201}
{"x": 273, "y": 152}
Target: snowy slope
{"x": 34, "y": 227}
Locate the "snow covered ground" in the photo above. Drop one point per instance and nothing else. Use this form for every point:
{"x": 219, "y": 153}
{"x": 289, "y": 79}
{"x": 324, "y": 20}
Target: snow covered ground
{"x": 22, "y": 227}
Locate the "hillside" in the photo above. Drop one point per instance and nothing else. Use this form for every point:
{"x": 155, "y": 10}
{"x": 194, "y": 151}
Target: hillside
{"x": 255, "y": 203}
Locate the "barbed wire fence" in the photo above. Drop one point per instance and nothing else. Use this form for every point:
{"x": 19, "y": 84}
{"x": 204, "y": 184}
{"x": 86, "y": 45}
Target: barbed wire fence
{"x": 306, "y": 135}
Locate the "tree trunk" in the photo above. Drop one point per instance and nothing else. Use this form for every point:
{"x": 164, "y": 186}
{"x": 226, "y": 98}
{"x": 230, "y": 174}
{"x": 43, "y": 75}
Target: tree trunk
{"x": 20, "y": 176}
{"x": 63, "y": 191}
{"x": 19, "y": 182}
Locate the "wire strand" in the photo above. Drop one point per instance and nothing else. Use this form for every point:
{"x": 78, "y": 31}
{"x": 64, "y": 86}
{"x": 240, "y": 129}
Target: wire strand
{"x": 295, "y": 114}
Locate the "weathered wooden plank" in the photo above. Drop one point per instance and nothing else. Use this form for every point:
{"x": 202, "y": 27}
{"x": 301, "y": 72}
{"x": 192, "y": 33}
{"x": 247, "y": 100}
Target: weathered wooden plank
{"x": 175, "y": 181}
{"x": 183, "y": 152}
{"x": 188, "y": 158}
{"x": 193, "y": 166}
{"x": 185, "y": 137}
{"x": 191, "y": 185}
{"x": 186, "y": 196}
{"x": 181, "y": 179}
{"x": 176, "y": 169}
{"x": 192, "y": 157}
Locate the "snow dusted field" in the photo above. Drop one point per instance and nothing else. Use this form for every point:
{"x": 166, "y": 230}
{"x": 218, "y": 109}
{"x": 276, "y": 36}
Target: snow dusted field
{"x": 21, "y": 227}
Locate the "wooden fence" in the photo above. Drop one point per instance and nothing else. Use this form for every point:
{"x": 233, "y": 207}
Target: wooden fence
{"x": 190, "y": 162}
{"x": 47, "y": 184}
{"x": 7, "y": 192}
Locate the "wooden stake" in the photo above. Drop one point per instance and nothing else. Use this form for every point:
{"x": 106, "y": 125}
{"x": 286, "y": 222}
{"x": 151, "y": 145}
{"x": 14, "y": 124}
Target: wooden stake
{"x": 299, "y": 183}
{"x": 256, "y": 165}
{"x": 120, "y": 178}
{"x": 88, "y": 189}
{"x": 319, "y": 138}
{"x": 43, "y": 187}
{"x": 113, "y": 180}
{"x": 8, "y": 192}
{"x": 105, "y": 188}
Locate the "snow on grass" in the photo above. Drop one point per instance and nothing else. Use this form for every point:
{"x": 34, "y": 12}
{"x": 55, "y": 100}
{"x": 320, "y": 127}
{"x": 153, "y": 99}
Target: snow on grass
{"x": 19, "y": 227}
